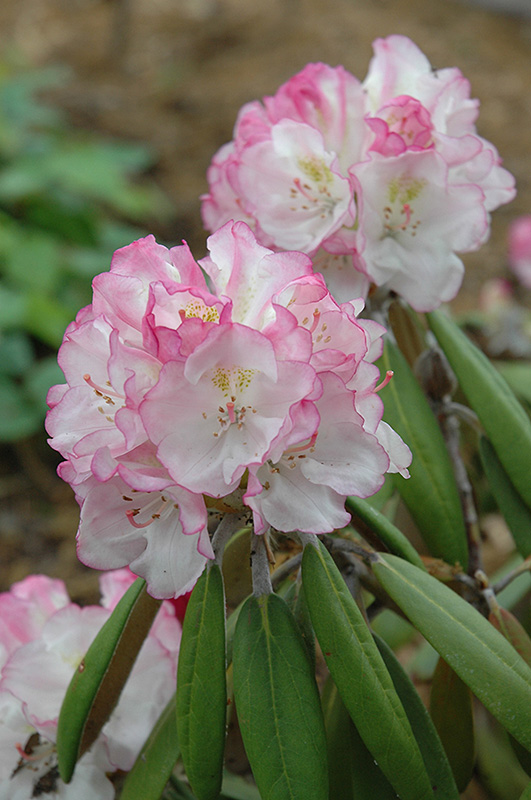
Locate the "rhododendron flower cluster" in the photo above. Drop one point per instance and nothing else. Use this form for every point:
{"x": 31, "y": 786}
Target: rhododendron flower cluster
{"x": 43, "y": 637}
{"x": 381, "y": 182}
{"x": 254, "y": 392}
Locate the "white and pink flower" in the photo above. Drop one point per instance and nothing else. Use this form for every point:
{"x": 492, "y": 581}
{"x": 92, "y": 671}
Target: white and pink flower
{"x": 51, "y": 636}
{"x": 194, "y": 393}
{"x": 304, "y": 169}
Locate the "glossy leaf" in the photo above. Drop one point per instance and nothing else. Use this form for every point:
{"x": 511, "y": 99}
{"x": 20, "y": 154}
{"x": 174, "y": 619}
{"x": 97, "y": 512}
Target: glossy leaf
{"x": 452, "y": 713}
{"x": 354, "y": 774}
{"x": 480, "y": 655}
{"x": 236, "y": 787}
{"x": 513, "y": 630}
{"x": 155, "y": 762}
{"x": 291, "y": 592}
{"x": 515, "y": 512}
{"x": 433, "y": 753}
{"x": 526, "y": 794}
{"x": 496, "y": 764}
{"x": 431, "y": 492}
{"x": 98, "y": 681}
{"x": 278, "y": 703}
{"x": 201, "y": 686}
{"x": 389, "y": 534}
{"x": 237, "y": 577}
{"x": 505, "y": 421}
{"x": 361, "y": 677}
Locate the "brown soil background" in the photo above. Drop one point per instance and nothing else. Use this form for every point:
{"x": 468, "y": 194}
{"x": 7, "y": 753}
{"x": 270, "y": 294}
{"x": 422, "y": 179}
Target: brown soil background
{"x": 173, "y": 73}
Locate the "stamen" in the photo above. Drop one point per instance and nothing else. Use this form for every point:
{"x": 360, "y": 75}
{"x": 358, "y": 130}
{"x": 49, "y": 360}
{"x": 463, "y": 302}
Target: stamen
{"x": 302, "y": 447}
{"x": 103, "y": 392}
{"x": 25, "y": 756}
{"x": 230, "y": 412}
{"x": 388, "y": 375}
{"x": 130, "y": 516}
{"x": 399, "y": 226}
{"x": 316, "y": 315}
{"x": 303, "y": 189}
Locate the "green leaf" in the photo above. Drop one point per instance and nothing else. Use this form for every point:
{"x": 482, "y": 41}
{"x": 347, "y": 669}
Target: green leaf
{"x": 99, "y": 679}
{"x": 430, "y": 493}
{"x": 526, "y": 794}
{"x": 18, "y": 416}
{"x": 513, "y": 630}
{"x": 45, "y": 373}
{"x": 389, "y": 534}
{"x": 354, "y": 774}
{"x": 16, "y": 354}
{"x": 237, "y": 788}
{"x": 12, "y": 308}
{"x": 237, "y": 568}
{"x": 46, "y": 318}
{"x": 201, "y": 685}
{"x": 430, "y": 745}
{"x": 505, "y": 421}
{"x": 278, "y": 703}
{"x": 291, "y": 592}
{"x": 361, "y": 676}
{"x": 155, "y": 762}
{"x": 452, "y": 713}
{"x": 393, "y": 629}
{"x": 515, "y": 512}
{"x": 480, "y": 655}
{"x": 518, "y": 376}
{"x": 496, "y": 765}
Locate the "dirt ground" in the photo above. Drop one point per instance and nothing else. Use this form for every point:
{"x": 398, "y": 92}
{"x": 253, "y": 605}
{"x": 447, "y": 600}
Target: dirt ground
{"x": 174, "y": 73}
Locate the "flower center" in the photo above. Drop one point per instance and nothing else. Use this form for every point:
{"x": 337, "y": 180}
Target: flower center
{"x": 106, "y": 394}
{"x": 39, "y": 757}
{"x": 146, "y": 513}
{"x": 399, "y": 215}
{"x": 312, "y": 192}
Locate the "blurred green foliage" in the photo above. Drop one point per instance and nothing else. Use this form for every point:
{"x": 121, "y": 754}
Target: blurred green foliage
{"x": 68, "y": 199}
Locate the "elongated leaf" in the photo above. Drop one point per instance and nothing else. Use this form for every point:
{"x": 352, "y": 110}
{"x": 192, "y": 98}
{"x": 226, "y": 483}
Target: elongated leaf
{"x": 513, "y": 630}
{"x": 430, "y": 745}
{"x": 526, "y": 794}
{"x": 431, "y": 492}
{"x": 389, "y": 534}
{"x": 361, "y": 677}
{"x": 497, "y": 766}
{"x": 98, "y": 681}
{"x": 480, "y": 655}
{"x": 516, "y": 513}
{"x": 237, "y": 788}
{"x": 154, "y": 765}
{"x": 505, "y": 421}
{"x": 516, "y": 634}
{"x": 201, "y": 686}
{"x": 236, "y": 568}
{"x": 354, "y": 774}
{"x": 278, "y": 703}
{"x": 291, "y": 592}
{"x": 452, "y": 713}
